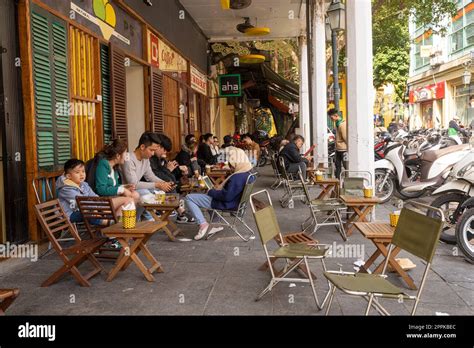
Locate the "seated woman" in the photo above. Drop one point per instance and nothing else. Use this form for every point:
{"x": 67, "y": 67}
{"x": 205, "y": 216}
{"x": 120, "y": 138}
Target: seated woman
{"x": 187, "y": 156}
{"x": 226, "y": 196}
{"x": 107, "y": 180}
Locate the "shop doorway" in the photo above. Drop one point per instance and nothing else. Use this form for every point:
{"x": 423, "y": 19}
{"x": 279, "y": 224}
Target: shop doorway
{"x": 427, "y": 114}
{"x": 136, "y": 120}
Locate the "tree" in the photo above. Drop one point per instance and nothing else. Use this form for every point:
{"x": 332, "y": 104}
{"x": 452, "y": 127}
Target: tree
{"x": 391, "y": 40}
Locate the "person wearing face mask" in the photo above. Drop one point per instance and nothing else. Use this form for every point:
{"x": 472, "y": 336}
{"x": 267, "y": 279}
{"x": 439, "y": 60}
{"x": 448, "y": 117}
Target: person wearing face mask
{"x": 225, "y": 197}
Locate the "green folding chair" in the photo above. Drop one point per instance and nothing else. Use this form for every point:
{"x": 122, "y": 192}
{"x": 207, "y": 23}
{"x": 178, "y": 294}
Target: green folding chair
{"x": 236, "y": 215}
{"x": 353, "y": 182}
{"x": 293, "y": 187}
{"x": 331, "y": 207}
{"x": 268, "y": 229}
{"x": 278, "y": 179}
{"x": 415, "y": 233}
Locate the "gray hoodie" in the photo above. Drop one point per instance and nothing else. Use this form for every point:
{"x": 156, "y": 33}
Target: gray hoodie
{"x": 67, "y": 192}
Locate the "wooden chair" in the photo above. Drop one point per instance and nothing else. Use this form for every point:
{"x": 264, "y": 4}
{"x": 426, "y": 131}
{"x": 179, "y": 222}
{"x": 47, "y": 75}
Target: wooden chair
{"x": 54, "y": 222}
{"x": 99, "y": 208}
{"x": 7, "y": 296}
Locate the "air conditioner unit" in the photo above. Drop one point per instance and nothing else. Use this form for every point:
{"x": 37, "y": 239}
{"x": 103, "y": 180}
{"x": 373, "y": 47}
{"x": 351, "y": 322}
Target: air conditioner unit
{"x": 436, "y": 51}
{"x": 436, "y": 61}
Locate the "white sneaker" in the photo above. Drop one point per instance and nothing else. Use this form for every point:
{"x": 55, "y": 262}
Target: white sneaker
{"x": 202, "y": 232}
{"x": 214, "y": 230}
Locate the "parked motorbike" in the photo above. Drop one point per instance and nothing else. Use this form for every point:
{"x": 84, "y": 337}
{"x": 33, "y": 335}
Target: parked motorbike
{"x": 465, "y": 230}
{"x": 391, "y": 172}
{"x": 452, "y": 195}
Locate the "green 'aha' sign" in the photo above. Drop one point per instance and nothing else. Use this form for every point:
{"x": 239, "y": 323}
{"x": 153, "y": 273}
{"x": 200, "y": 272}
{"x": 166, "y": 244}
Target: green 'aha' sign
{"x": 230, "y": 85}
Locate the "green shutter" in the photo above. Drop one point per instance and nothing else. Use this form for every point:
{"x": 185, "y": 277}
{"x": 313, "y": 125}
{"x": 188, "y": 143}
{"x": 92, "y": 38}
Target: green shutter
{"x": 43, "y": 91}
{"x": 106, "y": 102}
{"x": 50, "y": 75}
{"x": 61, "y": 89}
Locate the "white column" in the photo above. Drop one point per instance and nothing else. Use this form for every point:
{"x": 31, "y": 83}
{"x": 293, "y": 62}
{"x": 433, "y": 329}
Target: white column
{"x": 360, "y": 90}
{"x": 319, "y": 86}
{"x": 304, "y": 93}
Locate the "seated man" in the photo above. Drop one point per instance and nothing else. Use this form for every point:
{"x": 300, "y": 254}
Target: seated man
{"x": 137, "y": 166}
{"x": 226, "y": 196}
{"x": 294, "y": 161}
{"x": 252, "y": 149}
{"x": 204, "y": 152}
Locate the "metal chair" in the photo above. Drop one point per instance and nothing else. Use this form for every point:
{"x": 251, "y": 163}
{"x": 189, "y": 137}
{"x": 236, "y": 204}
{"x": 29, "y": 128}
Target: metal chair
{"x": 293, "y": 254}
{"x": 279, "y": 180}
{"x": 415, "y": 233}
{"x": 353, "y": 182}
{"x": 238, "y": 214}
{"x": 293, "y": 187}
{"x": 332, "y": 207}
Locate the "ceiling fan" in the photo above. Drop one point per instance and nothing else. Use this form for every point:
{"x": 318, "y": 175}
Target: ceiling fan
{"x": 248, "y": 29}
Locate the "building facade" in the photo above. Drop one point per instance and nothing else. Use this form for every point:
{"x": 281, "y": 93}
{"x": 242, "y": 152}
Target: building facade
{"x": 436, "y": 86}
{"x": 94, "y": 70}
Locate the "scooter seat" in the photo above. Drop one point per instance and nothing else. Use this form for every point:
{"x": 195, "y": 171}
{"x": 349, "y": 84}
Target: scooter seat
{"x": 431, "y": 156}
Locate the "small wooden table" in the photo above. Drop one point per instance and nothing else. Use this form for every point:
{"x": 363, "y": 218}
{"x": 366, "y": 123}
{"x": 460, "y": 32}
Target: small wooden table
{"x": 361, "y": 207}
{"x": 133, "y": 240}
{"x": 192, "y": 187}
{"x": 218, "y": 175}
{"x": 381, "y": 235}
{"x": 165, "y": 209}
{"x": 330, "y": 188}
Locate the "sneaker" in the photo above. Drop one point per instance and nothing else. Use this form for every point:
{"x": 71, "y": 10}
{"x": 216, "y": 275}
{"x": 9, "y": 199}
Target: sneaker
{"x": 202, "y": 232}
{"x": 173, "y": 213}
{"x": 214, "y": 230}
{"x": 182, "y": 219}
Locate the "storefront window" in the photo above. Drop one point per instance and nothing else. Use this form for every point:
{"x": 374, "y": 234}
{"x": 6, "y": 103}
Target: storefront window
{"x": 424, "y": 40}
{"x": 465, "y": 104}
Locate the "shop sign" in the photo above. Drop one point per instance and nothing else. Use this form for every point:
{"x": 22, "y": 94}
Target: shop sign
{"x": 169, "y": 59}
{"x": 230, "y": 85}
{"x": 430, "y": 92}
{"x": 153, "y": 50}
{"x": 198, "y": 81}
{"x": 104, "y": 18}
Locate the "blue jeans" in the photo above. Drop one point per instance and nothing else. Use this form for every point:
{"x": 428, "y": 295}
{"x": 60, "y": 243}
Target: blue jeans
{"x": 140, "y": 210}
{"x": 194, "y": 202}
{"x": 77, "y": 217}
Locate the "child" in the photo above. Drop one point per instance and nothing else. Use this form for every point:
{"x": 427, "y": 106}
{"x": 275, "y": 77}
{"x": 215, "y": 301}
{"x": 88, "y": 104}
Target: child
{"x": 72, "y": 184}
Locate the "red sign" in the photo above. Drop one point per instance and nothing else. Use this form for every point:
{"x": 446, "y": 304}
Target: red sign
{"x": 198, "y": 81}
{"x": 431, "y": 92}
{"x": 153, "y": 51}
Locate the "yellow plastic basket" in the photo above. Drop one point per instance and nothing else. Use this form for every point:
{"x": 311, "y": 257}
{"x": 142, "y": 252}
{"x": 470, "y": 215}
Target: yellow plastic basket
{"x": 394, "y": 219}
{"x": 129, "y": 218}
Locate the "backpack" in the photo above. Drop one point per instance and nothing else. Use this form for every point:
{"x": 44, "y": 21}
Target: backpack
{"x": 91, "y": 167}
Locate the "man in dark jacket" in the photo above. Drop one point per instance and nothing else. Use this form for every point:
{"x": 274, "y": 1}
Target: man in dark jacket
{"x": 187, "y": 157}
{"x": 204, "y": 152}
{"x": 294, "y": 161}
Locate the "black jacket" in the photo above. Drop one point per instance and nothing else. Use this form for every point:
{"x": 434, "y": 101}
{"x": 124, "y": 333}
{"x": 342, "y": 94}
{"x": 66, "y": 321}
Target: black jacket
{"x": 158, "y": 165}
{"x": 204, "y": 153}
{"x": 291, "y": 154}
{"x": 184, "y": 159}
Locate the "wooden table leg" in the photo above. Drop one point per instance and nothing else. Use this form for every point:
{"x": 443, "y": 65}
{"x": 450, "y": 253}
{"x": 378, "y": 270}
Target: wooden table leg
{"x": 360, "y": 213}
{"x": 164, "y": 218}
{"x": 126, "y": 255}
{"x": 406, "y": 277}
{"x": 364, "y": 268}
{"x": 155, "y": 264}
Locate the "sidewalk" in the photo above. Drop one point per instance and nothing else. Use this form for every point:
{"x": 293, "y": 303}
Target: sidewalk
{"x": 221, "y": 277}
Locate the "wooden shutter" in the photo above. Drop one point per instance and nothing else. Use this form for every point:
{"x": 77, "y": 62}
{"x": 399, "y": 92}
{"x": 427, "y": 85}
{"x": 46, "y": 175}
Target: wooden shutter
{"x": 50, "y": 75}
{"x": 157, "y": 108}
{"x": 119, "y": 94}
{"x": 106, "y": 97}
{"x": 61, "y": 91}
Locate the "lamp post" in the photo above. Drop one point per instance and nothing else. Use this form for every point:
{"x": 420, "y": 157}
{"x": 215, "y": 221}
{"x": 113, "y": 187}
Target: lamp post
{"x": 335, "y": 23}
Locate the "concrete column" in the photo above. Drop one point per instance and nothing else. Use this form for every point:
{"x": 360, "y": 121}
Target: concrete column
{"x": 319, "y": 85}
{"x": 304, "y": 126}
{"x": 360, "y": 88}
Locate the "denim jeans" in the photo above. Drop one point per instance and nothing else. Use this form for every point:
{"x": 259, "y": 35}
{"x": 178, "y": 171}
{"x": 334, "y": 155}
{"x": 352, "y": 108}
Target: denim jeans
{"x": 140, "y": 210}
{"x": 194, "y": 202}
